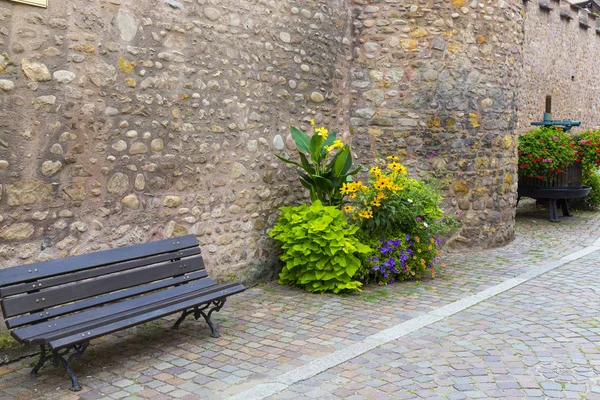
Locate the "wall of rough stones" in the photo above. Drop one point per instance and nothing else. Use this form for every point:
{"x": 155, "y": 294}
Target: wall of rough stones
{"x": 561, "y": 52}
{"x": 127, "y": 121}
{"x": 437, "y": 82}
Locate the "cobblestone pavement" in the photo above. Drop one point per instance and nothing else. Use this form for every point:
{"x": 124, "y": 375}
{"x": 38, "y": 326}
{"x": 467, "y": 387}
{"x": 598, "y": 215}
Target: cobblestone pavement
{"x": 536, "y": 340}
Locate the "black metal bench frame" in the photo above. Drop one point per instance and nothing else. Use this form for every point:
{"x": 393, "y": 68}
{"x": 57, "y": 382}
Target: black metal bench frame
{"x": 62, "y": 304}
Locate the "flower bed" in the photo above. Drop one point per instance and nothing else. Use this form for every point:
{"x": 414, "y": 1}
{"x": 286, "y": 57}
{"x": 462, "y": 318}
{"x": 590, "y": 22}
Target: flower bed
{"x": 390, "y": 231}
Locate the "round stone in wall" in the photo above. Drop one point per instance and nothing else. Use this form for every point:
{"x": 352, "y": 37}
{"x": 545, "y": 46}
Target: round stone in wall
{"x": 118, "y": 183}
{"x": 317, "y": 97}
{"x": 138, "y": 148}
{"x": 119, "y": 145}
{"x": 278, "y": 142}
{"x": 50, "y": 168}
{"x": 6, "y": 85}
{"x": 130, "y": 201}
{"x": 63, "y": 76}
{"x": 157, "y": 145}
{"x": 285, "y": 37}
{"x": 212, "y": 13}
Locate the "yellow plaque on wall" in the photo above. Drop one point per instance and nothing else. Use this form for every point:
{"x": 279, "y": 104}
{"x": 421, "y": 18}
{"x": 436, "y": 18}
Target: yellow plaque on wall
{"x": 37, "y": 3}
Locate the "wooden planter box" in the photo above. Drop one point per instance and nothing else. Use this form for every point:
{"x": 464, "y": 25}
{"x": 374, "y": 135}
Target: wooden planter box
{"x": 564, "y": 186}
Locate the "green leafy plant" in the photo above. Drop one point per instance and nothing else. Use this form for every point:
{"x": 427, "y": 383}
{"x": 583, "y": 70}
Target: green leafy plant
{"x": 545, "y": 152}
{"x": 592, "y": 201}
{"x": 400, "y": 218}
{"x": 325, "y": 164}
{"x": 319, "y": 248}
{"x": 391, "y": 204}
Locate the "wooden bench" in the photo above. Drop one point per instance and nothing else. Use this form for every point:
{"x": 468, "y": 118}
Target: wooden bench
{"x": 61, "y": 304}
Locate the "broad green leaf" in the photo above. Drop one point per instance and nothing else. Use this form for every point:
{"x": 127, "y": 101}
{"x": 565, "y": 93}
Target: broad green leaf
{"x": 314, "y": 147}
{"x": 306, "y": 165}
{"x": 348, "y": 163}
{"x": 322, "y": 183}
{"x": 341, "y": 160}
{"x": 301, "y": 139}
{"x": 285, "y": 160}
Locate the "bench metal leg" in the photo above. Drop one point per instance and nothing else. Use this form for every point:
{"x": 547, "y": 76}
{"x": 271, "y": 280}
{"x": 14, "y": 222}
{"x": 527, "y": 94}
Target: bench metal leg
{"x": 44, "y": 356}
{"x": 65, "y": 363}
{"x": 58, "y": 358}
{"x": 183, "y": 316}
{"x": 201, "y": 311}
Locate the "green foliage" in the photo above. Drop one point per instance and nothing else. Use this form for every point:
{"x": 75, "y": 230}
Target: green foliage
{"x": 400, "y": 219}
{"x": 392, "y": 204}
{"x": 592, "y": 201}
{"x": 319, "y": 248}
{"x": 544, "y": 152}
{"x": 320, "y": 171}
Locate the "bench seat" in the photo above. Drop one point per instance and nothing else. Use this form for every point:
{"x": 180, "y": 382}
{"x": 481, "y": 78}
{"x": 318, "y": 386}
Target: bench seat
{"x": 62, "y": 306}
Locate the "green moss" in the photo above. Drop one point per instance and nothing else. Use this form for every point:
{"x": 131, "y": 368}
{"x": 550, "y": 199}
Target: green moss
{"x": 7, "y": 342}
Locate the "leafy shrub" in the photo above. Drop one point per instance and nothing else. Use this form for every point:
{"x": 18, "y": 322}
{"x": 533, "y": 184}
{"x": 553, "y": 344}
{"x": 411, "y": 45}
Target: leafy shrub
{"x": 592, "y": 201}
{"x": 318, "y": 248}
{"x": 391, "y": 204}
{"x": 400, "y": 218}
{"x": 408, "y": 257}
{"x": 322, "y": 172}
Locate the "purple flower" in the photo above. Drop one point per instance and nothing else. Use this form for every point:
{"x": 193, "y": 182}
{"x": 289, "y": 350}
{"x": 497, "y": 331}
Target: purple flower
{"x": 407, "y": 238}
{"x": 555, "y": 138}
{"x": 583, "y": 142}
{"x": 390, "y": 262}
{"x": 418, "y": 218}
{"x": 433, "y": 152}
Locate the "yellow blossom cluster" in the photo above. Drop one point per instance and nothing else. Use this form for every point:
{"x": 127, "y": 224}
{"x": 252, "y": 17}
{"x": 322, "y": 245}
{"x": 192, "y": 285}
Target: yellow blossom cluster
{"x": 376, "y": 171}
{"x": 366, "y": 214}
{"x": 351, "y": 187}
{"x": 322, "y": 131}
{"x": 336, "y": 145}
{"x": 398, "y": 168}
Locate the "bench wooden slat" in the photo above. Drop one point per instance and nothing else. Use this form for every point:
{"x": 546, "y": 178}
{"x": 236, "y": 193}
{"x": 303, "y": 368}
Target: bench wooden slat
{"x": 123, "y": 324}
{"x": 91, "y": 318}
{"x": 26, "y": 273}
{"x": 81, "y": 290}
{"x": 92, "y": 273}
{"x": 103, "y": 299}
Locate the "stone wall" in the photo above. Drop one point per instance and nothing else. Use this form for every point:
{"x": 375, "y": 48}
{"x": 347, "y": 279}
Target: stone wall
{"x": 128, "y": 121}
{"x": 560, "y": 60}
{"x": 436, "y": 81}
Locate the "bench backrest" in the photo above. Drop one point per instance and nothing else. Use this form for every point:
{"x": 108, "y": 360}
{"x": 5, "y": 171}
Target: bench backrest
{"x": 34, "y": 293}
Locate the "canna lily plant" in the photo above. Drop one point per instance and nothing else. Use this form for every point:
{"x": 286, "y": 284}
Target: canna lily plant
{"x": 325, "y": 164}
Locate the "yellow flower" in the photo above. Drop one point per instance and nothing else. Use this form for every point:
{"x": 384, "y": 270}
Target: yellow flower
{"x": 322, "y": 132}
{"x": 376, "y": 202}
{"x": 397, "y": 167}
{"x": 312, "y": 122}
{"x": 375, "y": 171}
{"x": 366, "y": 214}
{"x": 352, "y": 196}
{"x": 394, "y": 158}
{"x": 346, "y": 188}
{"x": 382, "y": 183}
{"x": 336, "y": 145}
{"x": 348, "y": 209}
{"x": 381, "y": 196}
